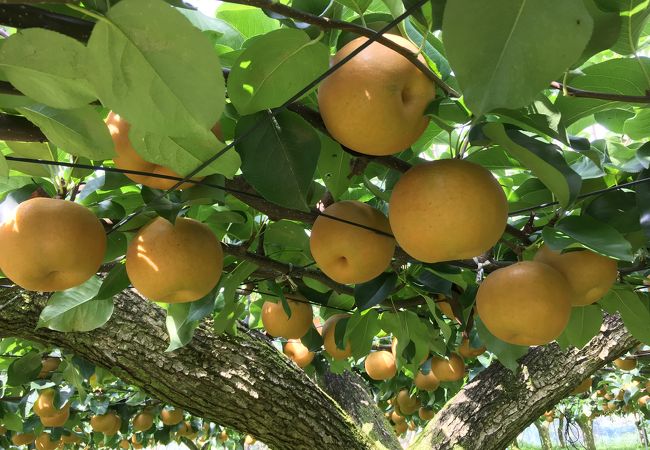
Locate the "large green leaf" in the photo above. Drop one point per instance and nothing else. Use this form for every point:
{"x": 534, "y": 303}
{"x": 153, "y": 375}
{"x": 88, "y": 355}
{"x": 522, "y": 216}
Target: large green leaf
{"x": 607, "y": 28}
{"x": 80, "y": 131}
{"x": 222, "y": 31}
{"x": 358, "y": 6}
{"x": 274, "y": 68}
{"x": 279, "y": 156}
{"x": 34, "y": 150}
{"x": 334, "y": 166}
{"x": 228, "y": 308}
{"x": 508, "y": 354}
{"x": 624, "y": 76}
{"x": 592, "y": 234}
{"x": 150, "y": 64}
{"x": 288, "y": 242}
{"x": 247, "y": 20}
{"x": 362, "y": 327}
{"x": 183, "y": 318}
{"x": 504, "y": 53}
{"x": 643, "y": 203}
{"x": 634, "y": 313}
{"x": 584, "y": 324}
{"x": 24, "y": 369}
{"x": 543, "y": 159}
{"x": 184, "y": 154}
{"x": 634, "y": 17}
{"x": 48, "y": 67}
{"x": 373, "y": 292}
{"x": 77, "y": 309}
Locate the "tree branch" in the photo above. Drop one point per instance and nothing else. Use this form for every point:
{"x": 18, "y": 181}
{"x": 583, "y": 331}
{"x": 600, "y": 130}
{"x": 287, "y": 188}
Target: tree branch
{"x": 575, "y": 92}
{"x": 25, "y": 16}
{"x": 491, "y": 410}
{"x": 238, "y": 381}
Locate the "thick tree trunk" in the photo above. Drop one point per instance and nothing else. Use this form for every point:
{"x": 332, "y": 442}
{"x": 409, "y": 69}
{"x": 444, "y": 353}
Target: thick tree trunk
{"x": 639, "y": 421}
{"x": 239, "y": 381}
{"x": 495, "y": 406}
{"x": 560, "y": 431}
{"x": 587, "y": 427}
{"x": 544, "y": 434}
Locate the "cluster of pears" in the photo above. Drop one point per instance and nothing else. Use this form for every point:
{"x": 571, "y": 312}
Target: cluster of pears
{"x": 438, "y": 211}
{"x": 529, "y": 302}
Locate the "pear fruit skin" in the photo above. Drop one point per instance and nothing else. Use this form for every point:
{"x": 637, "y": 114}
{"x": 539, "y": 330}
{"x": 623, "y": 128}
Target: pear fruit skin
{"x": 174, "y": 263}
{"x": 428, "y": 382}
{"x": 51, "y": 245}
{"x": 128, "y": 159}
{"x": 377, "y": 91}
{"x": 380, "y": 365}
{"x": 447, "y": 210}
{"x": 451, "y": 369}
{"x": 278, "y": 324}
{"x": 298, "y": 353}
{"x": 407, "y": 404}
{"x": 349, "y": 254}
{"x": 171, "y": 416}
{"x": 625, "y": 363}
{"x": 589, "y": 274}
{"x": 329, "y": 340}
{"x": 527, "y": 303}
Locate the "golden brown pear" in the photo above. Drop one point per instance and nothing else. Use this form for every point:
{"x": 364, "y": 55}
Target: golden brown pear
{"x": 349, "y": 254}
{"x": 128, "y": 159}
{"x": 104, "y": 423}
{"x": 44, "y": 404}
{"x": 589, "y": 274}
{"x": 625, "y": 363}
{"x": 426, "y": 413}
{"x": 375, "y": 103}
{"x": 51, "y": 245}
{"x": 70, "y": 439}
{"x": 647, "y": 387}
{"x": 396, "y": 417}
{"x": 330, "y": 341}
{"x": 50, "y": 365}
{"x": 447, "y": 210}
{"x": 401, "y": 427}
{"x": 643, "y": 401}
{"x": 43, "y": 442}
{"x": 469, "y": 352}
{"x": 298, "y": 353}
{"x": 380, "y": 365}
{"x": 58, "y": 419}
{"x": 143, "y": 421}
{"x": 278, "y": 324}
{"x": 451, "y": 369}
{"x": 174, "y": 263}
{"x": 124, "y": 444}
{"x": 22, "y": 438}
{"x": 171, "y": 416}
{"x": 584, "y": 386}
{"x": 407, "y": 404}
{"x": 428, "y": 382}
{"x": 527, "y": 303}
{"x": 223, "y": 436}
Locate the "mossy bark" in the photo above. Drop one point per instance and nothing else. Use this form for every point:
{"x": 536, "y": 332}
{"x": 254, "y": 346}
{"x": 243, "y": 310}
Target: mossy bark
{"x": 544, "y": 434}
{"x": 491, "y": 410}
{"x": 239, "y": 381}
{"x": 587, "y": 427}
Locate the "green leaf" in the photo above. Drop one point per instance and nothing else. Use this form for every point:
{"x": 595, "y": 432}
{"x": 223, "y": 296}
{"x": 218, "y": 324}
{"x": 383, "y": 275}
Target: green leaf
{"x": 24, "y": 369}
{"x": 358, "y": 6}
{"x": 340, "y": 330}
{"x": 543, "y": 159}
{"x": 248, "y": 20}
{"x": 183, "y": 318}
{"x": 643, "y": 203}
{"x": 511, "y": 66}
{"x": 229, "y": 309}
{"x": 150, "y": 64}
{"x": 288, "y": 242}
{"x": 625, "y": 76}
{"x": 607, "y": 28}
{"x": 637, "y": 127}
{"x": 507, "y": 354}
{"x": 223, "y": 32}
{"x": 583, "y": 325}
{"x": 361, "y": 330}
{"x": 595, "y": 235}
{"x": 115, "y": 282}
{"x": 279, "y": 156}
{"x": 34, "y": 150}
{"x": 334, "y": 166}
{"x": 4, "y": 167}
{"x": 80, "y": 132}
{"x": 274, "y": 68}
{"x": 184, "y": 154}
{"x": 634, "y": 15}
{"x": 77, "y": 309}
{"x": 373, "y": 292}
{"x": 48, "y": 67}
{"x": 634, "y": 313}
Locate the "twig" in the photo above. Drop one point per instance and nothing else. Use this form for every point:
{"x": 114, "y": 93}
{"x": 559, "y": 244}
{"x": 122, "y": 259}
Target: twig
{"x": 575, "y": 92}
{"x": 26, "y": 16}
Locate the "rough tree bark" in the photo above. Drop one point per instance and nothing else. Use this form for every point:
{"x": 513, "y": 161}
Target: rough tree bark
{"x": 587, "y": 427}
{"x": 239, "y": 381}
{"x": 560, "y": 431}
{"x": 639, "y": 421}
{"x": 544, "y": 434}
{"x": 495, "y": 406}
